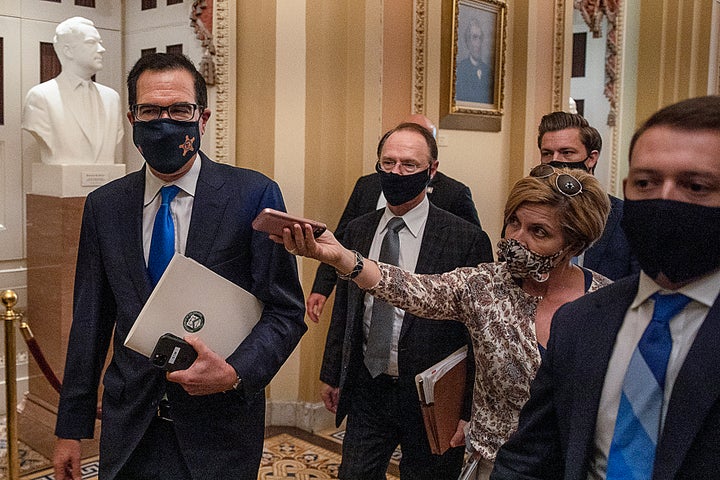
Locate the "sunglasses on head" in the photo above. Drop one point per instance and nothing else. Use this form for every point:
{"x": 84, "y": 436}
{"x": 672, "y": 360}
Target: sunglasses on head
{"x": 564, "y": 182}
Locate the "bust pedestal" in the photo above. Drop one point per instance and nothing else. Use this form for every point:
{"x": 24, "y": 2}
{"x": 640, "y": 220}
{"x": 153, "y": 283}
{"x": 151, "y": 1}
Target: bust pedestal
{"x": 54, "y": 216}
{"x": 72, "y": 180}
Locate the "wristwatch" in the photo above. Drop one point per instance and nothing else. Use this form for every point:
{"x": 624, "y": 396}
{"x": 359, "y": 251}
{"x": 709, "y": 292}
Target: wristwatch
{"x": 355, "y": 270}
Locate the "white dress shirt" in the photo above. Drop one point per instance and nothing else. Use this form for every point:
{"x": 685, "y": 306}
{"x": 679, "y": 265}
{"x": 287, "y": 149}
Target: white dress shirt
{"x": 180, "y": 208}
{"x": 410, "y": 242}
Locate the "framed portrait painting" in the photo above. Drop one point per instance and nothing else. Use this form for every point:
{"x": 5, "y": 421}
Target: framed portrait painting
{"x": 473, "y": 64}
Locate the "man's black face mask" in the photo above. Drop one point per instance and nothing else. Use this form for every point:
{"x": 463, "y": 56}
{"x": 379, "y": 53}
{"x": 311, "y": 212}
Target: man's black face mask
{"x": 678, "y": 239}
{"x": 399, "y": 189}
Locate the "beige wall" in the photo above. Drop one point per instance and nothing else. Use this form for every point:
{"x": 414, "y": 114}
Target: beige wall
{"x": 357, "y": 78}
{"x": 673, "y": 52}
{"x": 255, "y": 86}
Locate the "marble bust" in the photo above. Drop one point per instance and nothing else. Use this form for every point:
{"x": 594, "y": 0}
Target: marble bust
{"x": 75, "y": 120}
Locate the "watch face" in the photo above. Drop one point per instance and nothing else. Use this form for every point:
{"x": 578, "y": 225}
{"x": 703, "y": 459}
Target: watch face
{"x": 356, "y": 269}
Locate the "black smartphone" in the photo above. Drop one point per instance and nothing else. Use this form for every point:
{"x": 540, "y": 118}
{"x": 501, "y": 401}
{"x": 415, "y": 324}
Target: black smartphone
{"x": 172, "y": 353}
{"x": 273, "y": 221}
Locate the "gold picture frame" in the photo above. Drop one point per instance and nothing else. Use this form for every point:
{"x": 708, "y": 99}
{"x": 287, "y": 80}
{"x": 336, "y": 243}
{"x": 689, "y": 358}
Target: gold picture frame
{"x": 472, "y": 65}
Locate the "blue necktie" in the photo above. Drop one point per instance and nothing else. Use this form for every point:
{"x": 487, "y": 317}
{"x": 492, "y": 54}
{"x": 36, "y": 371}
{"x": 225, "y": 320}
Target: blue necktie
{"x": 162, "y": 243}
{"x": 637, "y": 428}
{"x": 377, "y": 354}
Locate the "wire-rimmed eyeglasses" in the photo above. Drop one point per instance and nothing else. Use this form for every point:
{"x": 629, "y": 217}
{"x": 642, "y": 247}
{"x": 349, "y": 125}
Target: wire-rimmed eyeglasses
{"x": 182, "y": 111}
{"x": 564, "y": 182}
{"x": 387, "y": 165}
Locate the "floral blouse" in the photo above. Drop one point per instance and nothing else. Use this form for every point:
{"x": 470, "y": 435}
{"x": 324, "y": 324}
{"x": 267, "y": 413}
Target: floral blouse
{"x": 500, "y": 318}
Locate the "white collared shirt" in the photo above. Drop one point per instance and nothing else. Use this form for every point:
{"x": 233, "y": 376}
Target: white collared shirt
{"x": 683, "y": 328}
{"x": 180, "y": 208}
{"x": 410, "y": 242}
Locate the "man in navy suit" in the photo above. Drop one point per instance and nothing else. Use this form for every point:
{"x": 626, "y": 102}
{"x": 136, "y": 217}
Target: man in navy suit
{"x": 384, "y": 411}
{"x": 367, "y": 196}
{"x": 207, "y": 421}
{"x": 566, "y": 140}
{"x": 672, "y": 221}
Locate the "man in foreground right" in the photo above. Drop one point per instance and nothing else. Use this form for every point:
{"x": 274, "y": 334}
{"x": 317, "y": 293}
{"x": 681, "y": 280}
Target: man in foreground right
{"x": 629, "y": 384}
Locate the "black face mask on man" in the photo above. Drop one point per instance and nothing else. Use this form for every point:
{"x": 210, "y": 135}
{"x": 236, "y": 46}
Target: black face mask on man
{"x": 399, "y": 189}
{"x": 677, "y": 239}
{"x": 167, "y": 144}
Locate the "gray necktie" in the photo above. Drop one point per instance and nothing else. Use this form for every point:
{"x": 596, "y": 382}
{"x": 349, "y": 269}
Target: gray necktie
{"x": 379, "y": 339}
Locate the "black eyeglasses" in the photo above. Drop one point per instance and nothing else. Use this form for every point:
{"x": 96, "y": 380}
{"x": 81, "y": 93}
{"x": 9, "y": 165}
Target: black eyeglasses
{"x": 182, "y": 112}
{"x": 564, "y": 182}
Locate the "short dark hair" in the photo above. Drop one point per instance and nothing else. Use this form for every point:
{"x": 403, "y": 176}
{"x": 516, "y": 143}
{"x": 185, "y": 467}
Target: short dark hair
{"x": 161, "y": 62}
{"x": 427, "y": 135}
{"x": 693, "y": 114}
{"x": 556, "y": 121}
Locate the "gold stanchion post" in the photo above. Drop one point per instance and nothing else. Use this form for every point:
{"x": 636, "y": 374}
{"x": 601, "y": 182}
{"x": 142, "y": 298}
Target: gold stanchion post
{"x": 9, "y": 299}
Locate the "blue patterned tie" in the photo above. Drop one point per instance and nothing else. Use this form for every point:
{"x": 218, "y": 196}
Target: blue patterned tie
{"x": 637, "y": 429}
{"x": 162, "y": 244}
{"x": 379, "y": 339}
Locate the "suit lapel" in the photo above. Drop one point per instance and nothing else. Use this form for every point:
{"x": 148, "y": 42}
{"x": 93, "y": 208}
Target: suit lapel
{"x": 695, "y": 391}
{"x": 596, "y": 342}
{"x": 432, "y": 243}
{"x": 363, "y": 242}
{"x": 360, "y": 241}
{"x": 130, "y": 226}
{"x": 208, "y": 206}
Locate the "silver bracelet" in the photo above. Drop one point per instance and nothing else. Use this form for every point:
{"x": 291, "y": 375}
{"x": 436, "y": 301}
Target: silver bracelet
{"x": 355, "y": 270}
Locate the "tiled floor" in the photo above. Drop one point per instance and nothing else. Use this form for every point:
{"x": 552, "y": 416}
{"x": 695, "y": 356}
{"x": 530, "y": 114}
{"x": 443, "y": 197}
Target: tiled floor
{"x": 318, "y": 440}
{"x": 271, "y": 462}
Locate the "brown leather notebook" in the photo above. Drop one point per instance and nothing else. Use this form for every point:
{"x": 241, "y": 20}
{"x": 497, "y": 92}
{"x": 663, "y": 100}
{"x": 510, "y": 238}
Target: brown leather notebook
{"x": 441, "y": 389}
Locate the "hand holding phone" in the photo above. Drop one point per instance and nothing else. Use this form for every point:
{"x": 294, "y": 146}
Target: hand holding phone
{"x": 172, "y": 353}
{"x": 273, "y": 221}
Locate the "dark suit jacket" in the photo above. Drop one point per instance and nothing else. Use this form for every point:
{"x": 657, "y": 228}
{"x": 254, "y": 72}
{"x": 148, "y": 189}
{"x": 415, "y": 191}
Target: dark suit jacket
{"x": 611, "y": 255}
{"x": 111, "y": 287}
{"x": 557, "y": 425}
{"x": 443, "y": 192}
{"x": 448, "y": 243}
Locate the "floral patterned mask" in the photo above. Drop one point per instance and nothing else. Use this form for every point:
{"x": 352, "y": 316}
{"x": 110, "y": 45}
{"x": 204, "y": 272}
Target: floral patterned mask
{"x": 524, "y": 263}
